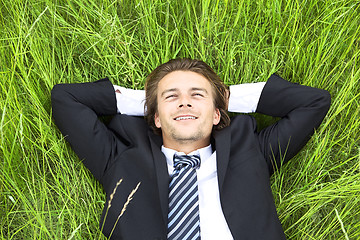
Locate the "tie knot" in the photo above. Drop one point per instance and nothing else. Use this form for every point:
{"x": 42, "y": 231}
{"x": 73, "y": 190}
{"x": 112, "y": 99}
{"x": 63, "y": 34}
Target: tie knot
{"x": 186, "y": 160}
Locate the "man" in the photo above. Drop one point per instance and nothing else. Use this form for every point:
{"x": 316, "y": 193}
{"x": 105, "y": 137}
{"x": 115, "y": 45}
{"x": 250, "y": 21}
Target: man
{"x": 229, "y": 162}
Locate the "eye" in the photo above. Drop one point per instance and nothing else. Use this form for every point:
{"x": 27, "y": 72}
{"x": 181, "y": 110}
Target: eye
{"x": 198, "y": 94}
{"x": 170, "y": 96}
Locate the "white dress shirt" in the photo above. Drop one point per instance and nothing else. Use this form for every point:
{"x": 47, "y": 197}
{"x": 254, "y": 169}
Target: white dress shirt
{"x": 244, "y": 98}
{"x": 213, "y": 225}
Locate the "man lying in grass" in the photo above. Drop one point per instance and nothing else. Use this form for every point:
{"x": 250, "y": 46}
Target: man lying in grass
{"x": 202, "y": 174}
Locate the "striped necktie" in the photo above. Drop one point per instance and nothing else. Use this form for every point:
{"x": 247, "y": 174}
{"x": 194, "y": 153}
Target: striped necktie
{"x": 183, "y": 217}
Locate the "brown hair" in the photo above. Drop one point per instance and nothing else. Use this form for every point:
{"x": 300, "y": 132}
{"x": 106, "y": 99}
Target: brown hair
{"x": 220, "y": 90}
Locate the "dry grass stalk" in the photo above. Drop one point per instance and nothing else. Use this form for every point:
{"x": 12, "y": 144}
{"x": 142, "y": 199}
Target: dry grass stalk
{"x": 130, "y": 197}
{"x": 113, "y": 193}
{"x": 109, "y": 203}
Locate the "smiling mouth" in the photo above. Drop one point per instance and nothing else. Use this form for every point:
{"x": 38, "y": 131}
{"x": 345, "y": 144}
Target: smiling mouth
{"x": 184, "y": 118}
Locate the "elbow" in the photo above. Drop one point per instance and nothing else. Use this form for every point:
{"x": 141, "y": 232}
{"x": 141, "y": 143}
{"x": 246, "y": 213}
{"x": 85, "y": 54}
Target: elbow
{"x": 56, "y": 92}
{"x": 322, "y": 103}
{"x": 59, "y": 96}
{"x": 326, "y": 99}
{"x": 56, "y": 96}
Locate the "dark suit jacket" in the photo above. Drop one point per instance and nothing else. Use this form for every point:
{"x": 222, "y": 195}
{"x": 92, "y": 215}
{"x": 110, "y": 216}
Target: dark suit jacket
{"x": 127, "y": 148}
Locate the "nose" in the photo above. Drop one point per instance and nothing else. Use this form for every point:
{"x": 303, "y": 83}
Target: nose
{"x": 184, "y": 102}
{"x": 182, "y": 105}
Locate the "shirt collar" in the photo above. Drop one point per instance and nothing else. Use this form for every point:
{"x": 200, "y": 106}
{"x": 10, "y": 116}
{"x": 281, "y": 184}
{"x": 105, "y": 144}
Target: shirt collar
{"x": 205, "y": 153}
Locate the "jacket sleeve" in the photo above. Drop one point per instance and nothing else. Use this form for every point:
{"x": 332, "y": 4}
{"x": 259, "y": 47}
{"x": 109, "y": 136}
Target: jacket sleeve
{"x": 301, "y": 110}
{"x": 76, "y": 108}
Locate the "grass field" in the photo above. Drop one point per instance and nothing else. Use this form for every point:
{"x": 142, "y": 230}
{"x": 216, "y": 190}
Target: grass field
{"x": 45, "y": 191}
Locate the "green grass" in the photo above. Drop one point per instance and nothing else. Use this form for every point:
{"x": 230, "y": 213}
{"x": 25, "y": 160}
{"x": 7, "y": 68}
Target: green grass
{"x": 45, "y": 191}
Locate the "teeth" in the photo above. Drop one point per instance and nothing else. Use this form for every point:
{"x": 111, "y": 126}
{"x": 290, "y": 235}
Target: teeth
{"x": 183, "y": 118}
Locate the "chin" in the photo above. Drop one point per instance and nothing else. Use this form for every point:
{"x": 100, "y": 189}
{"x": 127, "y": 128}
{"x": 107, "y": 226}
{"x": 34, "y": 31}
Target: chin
{"x": 188, "y": 137}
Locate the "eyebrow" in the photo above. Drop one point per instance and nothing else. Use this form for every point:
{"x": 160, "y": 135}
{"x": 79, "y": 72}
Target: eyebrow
{"x": 199, "y": 89}
{"x": 169, "y": 90}
{"x": 176, "y": 89}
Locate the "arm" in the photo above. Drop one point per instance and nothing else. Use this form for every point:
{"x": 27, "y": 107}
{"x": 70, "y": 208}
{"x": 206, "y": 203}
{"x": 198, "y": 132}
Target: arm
{"x": 301, "y": 110}
{"x": 75, "y": 109}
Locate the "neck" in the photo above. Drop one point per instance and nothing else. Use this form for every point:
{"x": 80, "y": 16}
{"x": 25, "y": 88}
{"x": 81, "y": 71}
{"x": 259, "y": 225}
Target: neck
{"x": 186, "y": 146}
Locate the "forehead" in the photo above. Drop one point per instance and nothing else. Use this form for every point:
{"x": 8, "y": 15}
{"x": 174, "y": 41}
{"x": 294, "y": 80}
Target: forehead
{"x": 183, "y": 80}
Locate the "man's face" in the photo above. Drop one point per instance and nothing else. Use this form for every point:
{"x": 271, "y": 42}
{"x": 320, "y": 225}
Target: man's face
{"x": 186, "y": 111}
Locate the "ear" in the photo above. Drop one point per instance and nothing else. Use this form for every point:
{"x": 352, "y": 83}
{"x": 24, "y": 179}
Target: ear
{"x": 157, "y": 120}
{"x": 217, "y": 116}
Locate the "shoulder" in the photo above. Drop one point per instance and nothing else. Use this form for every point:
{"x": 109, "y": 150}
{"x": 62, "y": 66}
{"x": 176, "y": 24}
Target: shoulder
{"x": 243, "y": 122}
{"x": 241, "y": 126}
{"x": 129, "y": 127}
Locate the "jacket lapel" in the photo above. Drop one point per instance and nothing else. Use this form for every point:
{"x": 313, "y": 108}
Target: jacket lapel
{"x": 222, "y": 146}
{"x": 162, "y": 174}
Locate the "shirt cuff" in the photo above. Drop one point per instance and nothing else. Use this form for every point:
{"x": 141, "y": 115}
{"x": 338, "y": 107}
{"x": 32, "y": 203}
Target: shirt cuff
{"x": 129, "y": 101}
{"x": 244, "y": 98}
